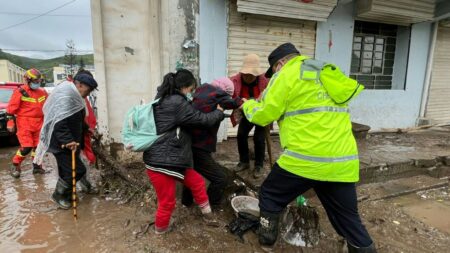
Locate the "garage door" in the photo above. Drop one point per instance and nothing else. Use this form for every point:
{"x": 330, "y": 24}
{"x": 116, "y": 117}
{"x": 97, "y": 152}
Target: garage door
{"x": 258, "y": 34}
{"x": 438, "y": 109}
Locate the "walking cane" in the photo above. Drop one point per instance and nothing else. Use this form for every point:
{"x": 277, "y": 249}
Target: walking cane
{"x": 74, "y": 184}
{"x": 269, "y": 144}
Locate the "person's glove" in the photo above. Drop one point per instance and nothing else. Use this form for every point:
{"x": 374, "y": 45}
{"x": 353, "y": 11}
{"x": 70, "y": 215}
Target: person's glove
{"x": 11, "y": 126}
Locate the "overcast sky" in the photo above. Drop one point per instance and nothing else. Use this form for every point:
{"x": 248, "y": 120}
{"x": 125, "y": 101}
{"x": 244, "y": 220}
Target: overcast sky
{"x": 49, "y": 32}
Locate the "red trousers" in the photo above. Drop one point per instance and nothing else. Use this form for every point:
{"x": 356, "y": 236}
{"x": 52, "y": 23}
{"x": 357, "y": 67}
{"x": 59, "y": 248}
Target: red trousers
{"x": 165, "y": 187}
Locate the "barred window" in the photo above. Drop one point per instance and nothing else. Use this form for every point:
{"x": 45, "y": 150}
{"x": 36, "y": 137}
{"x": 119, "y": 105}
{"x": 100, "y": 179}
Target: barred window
{"x": 380, "y": 55}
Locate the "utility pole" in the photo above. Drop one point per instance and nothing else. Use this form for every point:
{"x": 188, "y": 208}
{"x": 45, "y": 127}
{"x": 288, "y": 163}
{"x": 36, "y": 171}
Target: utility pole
{"x": 70, "y": 58}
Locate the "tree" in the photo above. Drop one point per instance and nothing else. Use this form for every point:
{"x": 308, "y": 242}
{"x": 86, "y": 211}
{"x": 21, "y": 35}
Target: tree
{"x": 82, "y": 65}
{"x": 70, "y": 57}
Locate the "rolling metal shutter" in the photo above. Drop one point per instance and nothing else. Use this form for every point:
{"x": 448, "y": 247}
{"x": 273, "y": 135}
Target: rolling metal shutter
{"x": 438, "y": 107}
{"x": 248, "y": 33}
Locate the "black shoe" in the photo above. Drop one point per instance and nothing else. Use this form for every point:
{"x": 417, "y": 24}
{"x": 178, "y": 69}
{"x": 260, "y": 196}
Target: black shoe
{"x": 62, "y": 194}
{"x": 354, "y": 249}
{"x": 37, "y": 169}
{"x": 15, "y": 170}
{"x": 259, "y": 172}
{"x": 86, "y": 186}
{"x": 242, "y": 166}
{"x": 268, "y": 228}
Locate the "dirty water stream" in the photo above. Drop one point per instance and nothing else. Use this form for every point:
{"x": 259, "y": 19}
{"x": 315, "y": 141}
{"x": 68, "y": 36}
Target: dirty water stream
{"x": 30, "y": 221}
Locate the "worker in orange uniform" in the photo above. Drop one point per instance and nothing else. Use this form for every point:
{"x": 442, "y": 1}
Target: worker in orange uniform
{"x": 26, "y": 106}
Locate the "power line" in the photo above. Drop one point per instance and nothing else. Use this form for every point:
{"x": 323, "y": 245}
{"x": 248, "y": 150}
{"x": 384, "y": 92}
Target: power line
{"x": 44, "y": 50}
{"x": 48, "y": 15}
{"x": 38, "y": 16}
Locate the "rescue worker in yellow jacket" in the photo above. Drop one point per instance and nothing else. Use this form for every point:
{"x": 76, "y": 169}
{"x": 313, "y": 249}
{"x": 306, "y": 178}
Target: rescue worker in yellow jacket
{"x": 309, "y": 100}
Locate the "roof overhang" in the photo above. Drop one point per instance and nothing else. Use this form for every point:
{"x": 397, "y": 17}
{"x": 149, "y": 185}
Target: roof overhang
{"x": 316, "y": 10}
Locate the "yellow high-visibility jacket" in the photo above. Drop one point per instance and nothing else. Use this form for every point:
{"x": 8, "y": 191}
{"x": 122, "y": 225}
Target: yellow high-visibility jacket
{"x": 309, "y": 100}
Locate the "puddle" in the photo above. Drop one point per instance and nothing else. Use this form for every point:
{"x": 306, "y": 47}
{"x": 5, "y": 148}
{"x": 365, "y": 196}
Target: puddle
{"x": 434, "y": 213}
{"x": 30, "y": 221}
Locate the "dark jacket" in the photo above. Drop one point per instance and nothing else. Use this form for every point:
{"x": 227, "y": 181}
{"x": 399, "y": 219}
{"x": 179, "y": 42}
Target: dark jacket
{"x": 172, "y": 153}
{"x": 206, "y": 99}
{"x": 67, "y": 130}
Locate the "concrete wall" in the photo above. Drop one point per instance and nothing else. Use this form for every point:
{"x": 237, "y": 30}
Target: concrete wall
{"x": 213, "y": 46}
{"x": 213, "y": 39}
{"x": 377, "y": 108}
{"x": 135, "y": 44}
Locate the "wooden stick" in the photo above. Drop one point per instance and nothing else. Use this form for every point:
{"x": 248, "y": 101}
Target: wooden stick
{"x": 74, "y": 182}
{"x": 74, "y": 186}
{"x": 269, "y": 144}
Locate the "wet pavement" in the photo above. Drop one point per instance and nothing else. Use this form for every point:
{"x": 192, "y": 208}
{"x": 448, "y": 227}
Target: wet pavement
{"x": 30, "y": 221}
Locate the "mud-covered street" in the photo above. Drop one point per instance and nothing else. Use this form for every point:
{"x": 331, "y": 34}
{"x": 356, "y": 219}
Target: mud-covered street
{"x": 413, "y": 221}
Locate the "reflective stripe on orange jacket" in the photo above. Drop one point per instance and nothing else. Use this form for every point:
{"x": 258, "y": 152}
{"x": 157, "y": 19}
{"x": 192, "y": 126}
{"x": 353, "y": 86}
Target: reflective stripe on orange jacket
{"x": 22, "y": 106}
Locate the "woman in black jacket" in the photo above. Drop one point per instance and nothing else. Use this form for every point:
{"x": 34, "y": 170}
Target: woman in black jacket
{"x": 170, "y": 157}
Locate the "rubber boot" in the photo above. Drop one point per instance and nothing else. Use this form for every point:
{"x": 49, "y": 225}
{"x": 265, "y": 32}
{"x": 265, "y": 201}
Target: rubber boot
{"x": 37, "y": 169}
{"x": 354, "y": 249}
{"x": 62, "y": 195}
{"x": 86, "y": 186}
{"x": 268, "y": 228}
{"x": 259, "y": 172}
{"x": 15, "y": 170}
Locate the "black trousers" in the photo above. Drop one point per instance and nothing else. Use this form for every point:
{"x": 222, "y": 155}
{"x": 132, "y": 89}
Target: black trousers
{"x": 339, "y": 200}
{"x": 64, "y": 161}
{"x": 206, "y": 166}
{"x": 258, "y": 139}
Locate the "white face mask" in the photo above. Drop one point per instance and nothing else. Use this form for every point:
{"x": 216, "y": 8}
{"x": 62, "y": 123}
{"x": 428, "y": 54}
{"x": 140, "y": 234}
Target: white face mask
{"x": 35, "y": 86}
{"x": 189, "y": 96}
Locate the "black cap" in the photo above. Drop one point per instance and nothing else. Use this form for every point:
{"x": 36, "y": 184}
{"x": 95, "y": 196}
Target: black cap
{"x": 87, "y": 80}
{"x": 277, "y": 54}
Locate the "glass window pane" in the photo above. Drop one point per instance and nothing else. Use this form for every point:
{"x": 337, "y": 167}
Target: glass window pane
{"x": 358, "y": 39}
{"x": 377, "y": 63}
{"x": 356, "y": 46}
{"x": 366, "y": 70}
{"x": 379, "y": 48}
{"x": 369, "y": 39}
{"x": 368, "y": 47}
{"x": 368, "y": 55}
{"x": 380, "y": 41}
{"x": 378, "y": 55}
{"x": 367, "y": 63}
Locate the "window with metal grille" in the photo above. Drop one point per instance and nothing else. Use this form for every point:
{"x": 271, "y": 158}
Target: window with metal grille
{"x": 380, "y": 55}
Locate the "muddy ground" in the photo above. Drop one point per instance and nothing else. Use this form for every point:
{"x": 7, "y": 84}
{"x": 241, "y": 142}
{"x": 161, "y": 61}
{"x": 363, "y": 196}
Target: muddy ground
{"x": 118, "y": 220}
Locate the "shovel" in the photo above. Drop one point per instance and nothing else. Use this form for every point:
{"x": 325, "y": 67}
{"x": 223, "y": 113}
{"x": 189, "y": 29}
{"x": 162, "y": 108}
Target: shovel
{"x": 269, "y": 144}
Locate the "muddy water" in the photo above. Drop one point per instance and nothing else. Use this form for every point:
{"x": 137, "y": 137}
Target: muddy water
{"x": 30, "y": 222}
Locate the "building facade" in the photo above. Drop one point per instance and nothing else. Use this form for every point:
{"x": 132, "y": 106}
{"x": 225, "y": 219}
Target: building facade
{"x": 399, "y": 52}
{"x": 9, "y": 72}
{"x": 60, "y": 72}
